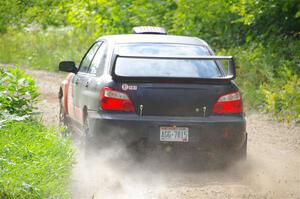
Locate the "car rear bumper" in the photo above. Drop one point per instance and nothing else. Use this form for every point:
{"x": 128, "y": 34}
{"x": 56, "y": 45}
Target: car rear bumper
{"x": 213, "y": 132}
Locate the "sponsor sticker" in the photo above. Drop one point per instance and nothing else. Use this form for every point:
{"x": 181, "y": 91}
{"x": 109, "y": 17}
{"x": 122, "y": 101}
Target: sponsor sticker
{"x": 132, "y": 87}
{"x": 126, "y": 87}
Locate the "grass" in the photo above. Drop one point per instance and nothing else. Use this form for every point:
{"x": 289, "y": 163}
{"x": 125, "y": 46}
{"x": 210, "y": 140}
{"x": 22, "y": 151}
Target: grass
{"x": 43, "y": 49}
{"x": 35, "y": 162}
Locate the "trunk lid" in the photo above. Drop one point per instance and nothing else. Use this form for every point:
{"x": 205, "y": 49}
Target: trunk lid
{"x": 174, "y": 99}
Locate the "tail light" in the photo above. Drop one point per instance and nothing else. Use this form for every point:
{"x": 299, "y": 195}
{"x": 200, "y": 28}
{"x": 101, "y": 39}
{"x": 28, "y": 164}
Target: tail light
{"x": 115, "y": 100}
{"x": 229, "y": 103}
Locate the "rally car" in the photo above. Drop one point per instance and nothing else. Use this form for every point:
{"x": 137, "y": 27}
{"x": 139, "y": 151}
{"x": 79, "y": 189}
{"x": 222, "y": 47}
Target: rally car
{"x": 155, "y": 88}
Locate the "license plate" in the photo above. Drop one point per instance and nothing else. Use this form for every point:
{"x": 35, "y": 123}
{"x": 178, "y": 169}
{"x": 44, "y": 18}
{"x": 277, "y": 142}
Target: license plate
{"x": 174, "y": 134}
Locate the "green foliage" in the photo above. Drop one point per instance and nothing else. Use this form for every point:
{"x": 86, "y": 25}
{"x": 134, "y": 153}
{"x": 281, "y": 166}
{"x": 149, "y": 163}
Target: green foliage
{"x": 210, "y": 20}
{"x": 269, "y": 76}
{"x": 9, "y": 13}
{"x": 43, "y": 49}
{"x": 34, "y": 161}
{"x": 20, "y": 13}
{"x": 18, "y": 92}
{"x": 282, "y": 96}
{"x": 270, "y": 17}
{"x": 99, "y": 17}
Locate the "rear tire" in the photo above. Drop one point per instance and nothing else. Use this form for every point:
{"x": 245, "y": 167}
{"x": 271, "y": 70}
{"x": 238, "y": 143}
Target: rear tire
{"x": 91, "y": 143}
{"x": 243, "y": 151}
{"x": 63, "y": 121}
{"x": 241, "y": 154}
{"x": 230, "y": 156}
{"x": 62, "y": 115}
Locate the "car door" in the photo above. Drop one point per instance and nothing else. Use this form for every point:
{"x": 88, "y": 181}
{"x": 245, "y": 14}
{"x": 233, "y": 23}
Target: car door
{"x": 80, "y": 80}
{"x": 91, "y": 92}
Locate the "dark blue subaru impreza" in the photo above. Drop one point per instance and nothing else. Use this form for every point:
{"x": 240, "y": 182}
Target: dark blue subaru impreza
{"x": 157, "y": 89}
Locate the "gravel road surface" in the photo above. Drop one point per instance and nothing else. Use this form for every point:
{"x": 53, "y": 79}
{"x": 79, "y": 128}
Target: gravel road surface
{"x": 272, "y": 169}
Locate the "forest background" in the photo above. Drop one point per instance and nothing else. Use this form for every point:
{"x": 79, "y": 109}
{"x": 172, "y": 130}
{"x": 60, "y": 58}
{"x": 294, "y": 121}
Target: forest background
{"x": 263, "y": 35}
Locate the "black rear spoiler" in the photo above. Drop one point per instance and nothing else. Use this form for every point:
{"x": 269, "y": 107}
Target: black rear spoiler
{"x": 231, "y": 73}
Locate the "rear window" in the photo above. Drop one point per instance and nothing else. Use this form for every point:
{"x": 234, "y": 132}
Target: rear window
{"x": 161, "y": 49}
{"x": 164, "y": 67}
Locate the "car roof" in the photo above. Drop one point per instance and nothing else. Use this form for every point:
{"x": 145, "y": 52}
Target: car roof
{"x": 152, "y": 38}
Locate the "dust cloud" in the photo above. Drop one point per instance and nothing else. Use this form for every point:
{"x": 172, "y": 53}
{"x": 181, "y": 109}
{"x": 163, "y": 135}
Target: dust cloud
{"x": 117, "y": 172}
{"x": 114, "y": 172}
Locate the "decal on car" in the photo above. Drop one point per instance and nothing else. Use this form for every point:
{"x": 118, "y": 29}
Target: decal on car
{"x": 126, "y": 87}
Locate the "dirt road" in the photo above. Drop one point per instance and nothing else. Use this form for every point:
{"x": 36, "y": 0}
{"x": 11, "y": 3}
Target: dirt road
{"x": 272, "y": 169}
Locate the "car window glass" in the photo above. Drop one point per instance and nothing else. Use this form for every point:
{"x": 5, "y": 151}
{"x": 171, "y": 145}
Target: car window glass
{"x": 85, "y": 63}
{"x": 143, "y": 67}
{"x": 97, "y": 64}
{"x": 161, "y": 49}
{"x": 164, "y": 67}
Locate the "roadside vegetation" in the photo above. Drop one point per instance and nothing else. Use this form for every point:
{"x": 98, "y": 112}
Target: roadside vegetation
{"x": 263, "y": 35}
{"x": 35, "y": 161}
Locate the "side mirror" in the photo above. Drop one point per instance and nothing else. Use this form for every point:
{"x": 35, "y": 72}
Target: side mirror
{"x": 68, "y": 66}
